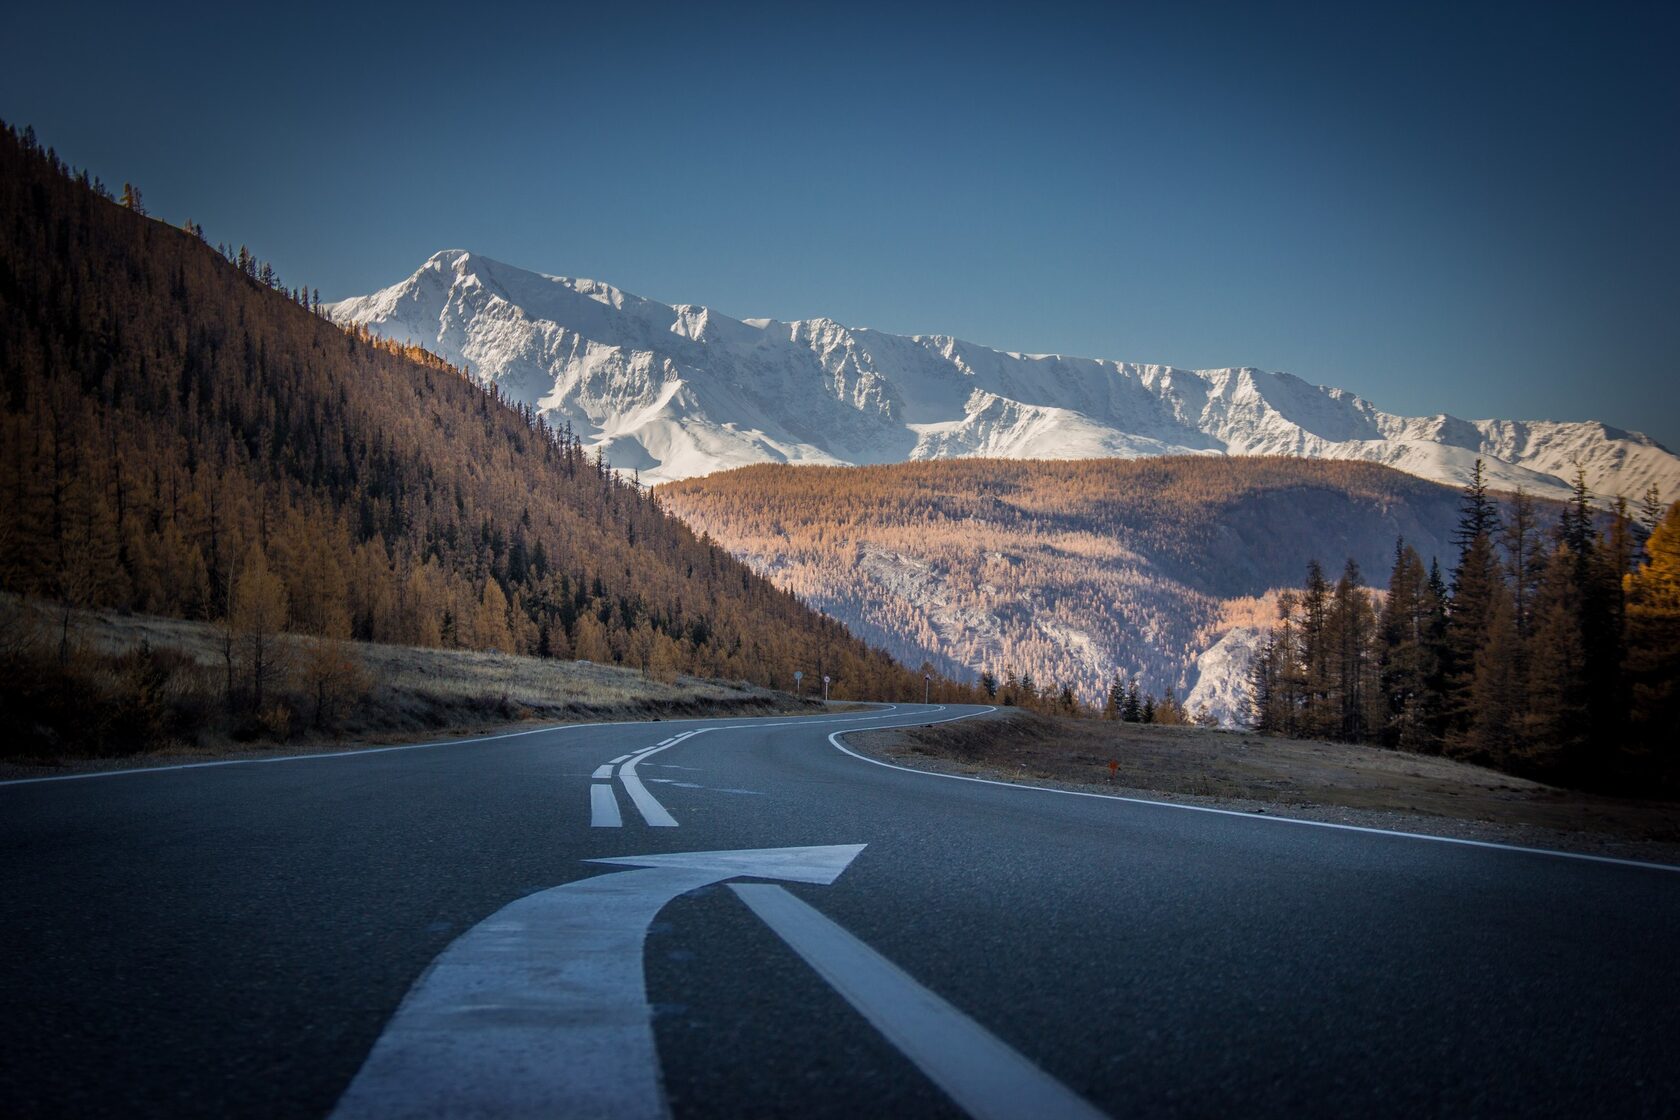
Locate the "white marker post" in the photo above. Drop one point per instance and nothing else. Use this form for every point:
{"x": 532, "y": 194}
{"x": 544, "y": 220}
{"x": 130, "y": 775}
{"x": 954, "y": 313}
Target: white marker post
{"x": 825, "y": 688}
{"x": 799, "y": 682}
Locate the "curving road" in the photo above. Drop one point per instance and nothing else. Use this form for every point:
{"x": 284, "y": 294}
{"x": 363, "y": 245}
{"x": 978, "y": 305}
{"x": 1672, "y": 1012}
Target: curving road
{"x": 415, "y": 931}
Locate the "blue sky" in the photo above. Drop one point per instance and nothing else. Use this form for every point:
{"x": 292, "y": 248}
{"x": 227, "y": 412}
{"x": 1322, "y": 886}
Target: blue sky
{"x": 1459, "y": 208}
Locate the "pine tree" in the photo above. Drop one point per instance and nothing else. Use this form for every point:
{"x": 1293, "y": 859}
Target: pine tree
{"x": 1555, "y": 725}
{"x": 1525, "y": 556}
{"x": 1650, "y": 509}
{"x": 1476, "y": 585}
{"x": 1597, "y": 600}
{"x": 1316, "y": 656}
{"x": 1653, "y": 651}
{"x": 1352, "y": 626}
{"x": 1499, "y": 693}
{"x": 1262, "y": 688}
{"x": 1400, "y": 641}
{"x": 256, "y": 620}
{"x": 1430, "y": 728}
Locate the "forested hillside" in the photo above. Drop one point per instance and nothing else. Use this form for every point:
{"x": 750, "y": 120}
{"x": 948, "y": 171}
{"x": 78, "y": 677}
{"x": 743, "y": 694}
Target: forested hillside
{"x": 1066, "y": 572}
{"x": 181, "y": 434}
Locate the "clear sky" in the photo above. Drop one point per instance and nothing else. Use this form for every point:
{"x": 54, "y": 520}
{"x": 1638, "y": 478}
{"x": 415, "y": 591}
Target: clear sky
{"x": 1460, "y": 208}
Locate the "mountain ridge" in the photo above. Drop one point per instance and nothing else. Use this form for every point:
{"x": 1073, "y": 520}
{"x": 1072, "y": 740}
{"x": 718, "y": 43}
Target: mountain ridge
{"x": 675, "y": 391}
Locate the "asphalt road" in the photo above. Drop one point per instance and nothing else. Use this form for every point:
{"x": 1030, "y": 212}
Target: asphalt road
{"x": 234, "y": 940}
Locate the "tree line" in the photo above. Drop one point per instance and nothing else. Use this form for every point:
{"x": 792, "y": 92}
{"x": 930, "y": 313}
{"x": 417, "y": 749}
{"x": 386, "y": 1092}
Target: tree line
{"x": 1547, "y": 650}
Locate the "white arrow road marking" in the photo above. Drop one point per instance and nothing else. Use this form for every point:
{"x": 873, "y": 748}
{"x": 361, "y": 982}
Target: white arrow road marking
{"x": 984, "y": 1076}
{"x": 603, "y": 807}
{"x": 541, "y": 1009}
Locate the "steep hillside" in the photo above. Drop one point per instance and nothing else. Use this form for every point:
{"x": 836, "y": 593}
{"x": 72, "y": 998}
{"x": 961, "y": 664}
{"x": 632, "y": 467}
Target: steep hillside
{"x": 180, "y": 435}
{"x": 1069, "y": 571}
{"x": 679, "y": 391}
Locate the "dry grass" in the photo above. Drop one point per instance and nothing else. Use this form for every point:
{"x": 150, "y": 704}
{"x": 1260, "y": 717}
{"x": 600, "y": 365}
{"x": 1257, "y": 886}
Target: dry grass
{"x": 1325, "y": 780}
{"x": 402, "y": 693}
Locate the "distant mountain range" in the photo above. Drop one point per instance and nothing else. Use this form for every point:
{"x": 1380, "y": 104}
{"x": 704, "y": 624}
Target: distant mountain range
{"x": 679, "y": 391}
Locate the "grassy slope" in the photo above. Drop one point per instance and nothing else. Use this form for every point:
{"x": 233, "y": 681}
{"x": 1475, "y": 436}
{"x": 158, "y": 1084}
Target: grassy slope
{"x": 1328, "y": 781}
{"x": 412, "y": 692}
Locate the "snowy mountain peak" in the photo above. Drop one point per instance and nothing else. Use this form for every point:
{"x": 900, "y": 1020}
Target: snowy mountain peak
{"x": 678, "y": 391}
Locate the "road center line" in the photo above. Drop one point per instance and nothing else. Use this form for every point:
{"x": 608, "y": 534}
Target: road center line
{"x": 648, "y": 805}
{"x": 981, "y": 1073}
{"x": 603, "y": 807}
{"x": 603, "y": 773}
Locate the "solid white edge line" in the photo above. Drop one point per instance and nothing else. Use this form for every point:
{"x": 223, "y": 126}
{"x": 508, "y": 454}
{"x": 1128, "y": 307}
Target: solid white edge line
{"x": 603, "y": 807}
{"x": 834, "y": 740}
{"x": 982, "y": 1074}
{"x": 394, "y": 747}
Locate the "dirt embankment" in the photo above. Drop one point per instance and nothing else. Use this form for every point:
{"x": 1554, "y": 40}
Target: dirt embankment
{"x": 1316, "y": 780}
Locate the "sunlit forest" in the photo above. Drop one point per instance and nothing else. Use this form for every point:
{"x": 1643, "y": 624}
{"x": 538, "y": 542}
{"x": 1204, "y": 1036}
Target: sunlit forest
{"x": 1551, "y": 646}
{"x": 182, "y": 434}
{"x": 1066, "y": 574}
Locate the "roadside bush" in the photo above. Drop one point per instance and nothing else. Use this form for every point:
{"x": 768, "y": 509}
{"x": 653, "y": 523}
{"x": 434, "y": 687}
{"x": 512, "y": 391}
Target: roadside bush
{"x": 331, "y": 679}
{"x": 59, "y": 699}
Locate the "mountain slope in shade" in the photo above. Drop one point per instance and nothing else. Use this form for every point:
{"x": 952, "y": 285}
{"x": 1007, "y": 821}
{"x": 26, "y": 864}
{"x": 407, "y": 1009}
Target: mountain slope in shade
{"x": 173, "y": 427}
{"x": 1068, "y": 571}
{"x": 679, "y": 391}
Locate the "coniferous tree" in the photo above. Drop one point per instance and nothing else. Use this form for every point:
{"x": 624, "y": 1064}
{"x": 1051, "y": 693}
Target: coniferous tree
{"x": 1653, "y": 650}
{"x": 1597, "y": 599}
{"x": 1433, "y": 709}
{"x": 1525, "y": 557}
{"x": 1476, "y": 586}
{"x": 1116, "y": 698}
{"x": 1316, "y": 655}
{"x": 1555, "y": 723}
{"x": 1131, "y": 709}
{"x": 1352, "y": 627}
{"x": 1499, "y": 693}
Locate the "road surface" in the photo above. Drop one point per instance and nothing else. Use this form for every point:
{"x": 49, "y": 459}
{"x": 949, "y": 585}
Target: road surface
{"x": 420, "y": 931}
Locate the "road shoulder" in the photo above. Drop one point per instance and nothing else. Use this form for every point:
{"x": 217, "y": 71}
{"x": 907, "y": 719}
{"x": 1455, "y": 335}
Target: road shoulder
{"x": 1328, "y": 783}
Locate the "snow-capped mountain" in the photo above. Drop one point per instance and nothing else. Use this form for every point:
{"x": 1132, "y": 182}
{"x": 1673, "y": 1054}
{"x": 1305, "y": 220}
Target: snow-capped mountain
{"x": 679, "y": 391}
